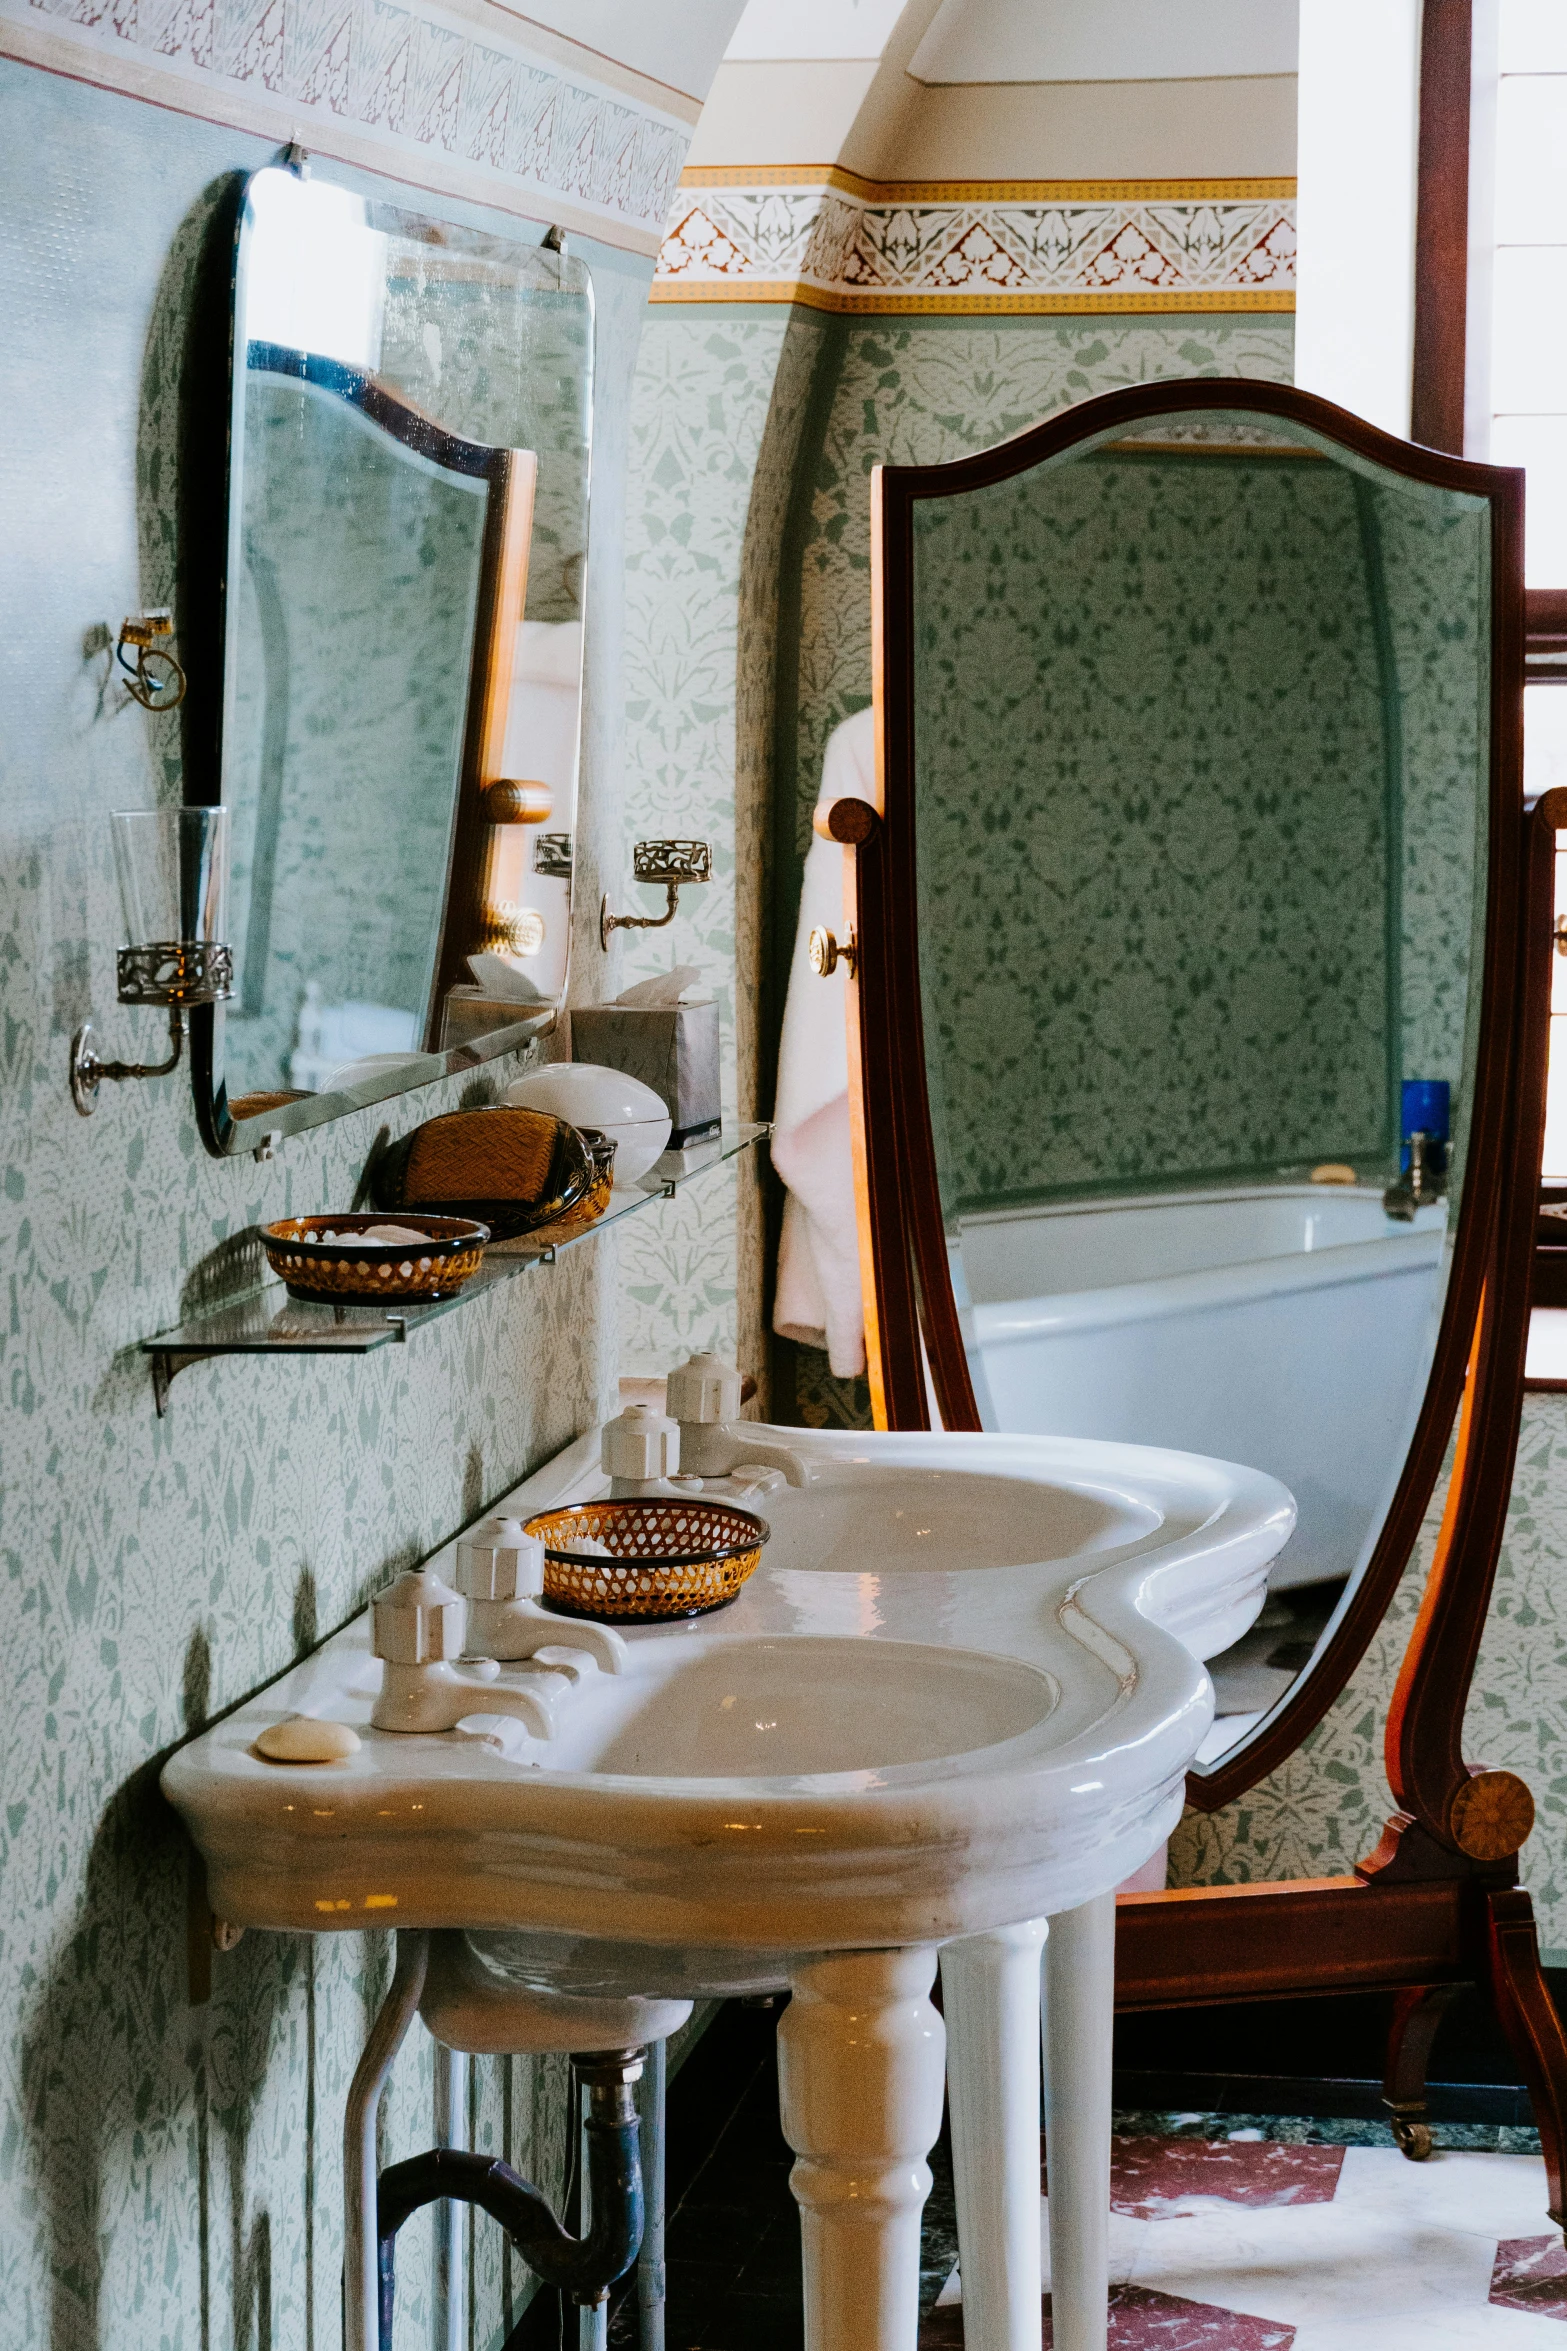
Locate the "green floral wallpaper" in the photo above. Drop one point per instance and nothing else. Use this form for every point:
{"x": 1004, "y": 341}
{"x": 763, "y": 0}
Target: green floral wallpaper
{"x": 719, "y": 408}
{"x": 169, "y": 2174}
{"x": 1200, "y": 764}
{"x": 1155, "y": 827}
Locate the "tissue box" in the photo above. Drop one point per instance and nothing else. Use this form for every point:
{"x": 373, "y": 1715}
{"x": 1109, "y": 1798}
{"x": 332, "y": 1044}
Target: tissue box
{"x": 469, "y": 1013}
{"x": 671, "y": 1047}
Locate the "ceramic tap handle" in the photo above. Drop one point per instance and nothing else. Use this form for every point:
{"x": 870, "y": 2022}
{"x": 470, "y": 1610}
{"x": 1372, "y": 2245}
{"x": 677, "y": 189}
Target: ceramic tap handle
{"x": 705, "y": 1388}
{"x": 499, "y": 1561}
{"x": 641, "y": 1444}
{"x": 419, "y": 1621}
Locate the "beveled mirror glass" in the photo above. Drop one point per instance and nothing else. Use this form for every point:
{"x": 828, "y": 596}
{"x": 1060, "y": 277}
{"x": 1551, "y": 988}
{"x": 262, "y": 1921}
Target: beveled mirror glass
{"x": 1199, "y": 763}
{"x": 406, "y": 549}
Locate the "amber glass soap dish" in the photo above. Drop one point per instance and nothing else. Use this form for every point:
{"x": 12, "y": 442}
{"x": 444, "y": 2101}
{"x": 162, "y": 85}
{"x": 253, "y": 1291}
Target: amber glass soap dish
{"x": 647, "y": 1558}
{"x": 336, "y": 1259}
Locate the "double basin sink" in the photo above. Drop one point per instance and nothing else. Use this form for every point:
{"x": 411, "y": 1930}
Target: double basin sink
{"x": 962, "y": 1689}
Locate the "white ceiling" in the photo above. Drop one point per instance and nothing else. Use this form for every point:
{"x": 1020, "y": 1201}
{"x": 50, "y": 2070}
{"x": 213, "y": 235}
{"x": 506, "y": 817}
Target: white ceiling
{"x": 793, "y": 29}
{"x": 1106, "y": 40}
{"x": 680, "y": 42}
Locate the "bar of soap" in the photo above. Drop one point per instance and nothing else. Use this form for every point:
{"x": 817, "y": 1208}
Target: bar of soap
{"x": 1334, "y": 1171}
{"x": 299, "y": 1738}
{"x": 392, "y": 1233}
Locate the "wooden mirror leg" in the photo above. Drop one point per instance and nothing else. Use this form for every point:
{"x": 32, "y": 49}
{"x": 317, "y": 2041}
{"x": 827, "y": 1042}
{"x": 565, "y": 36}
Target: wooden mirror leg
{"x": 1529, "y": 2018}
{"x": 1417, "y": 2016}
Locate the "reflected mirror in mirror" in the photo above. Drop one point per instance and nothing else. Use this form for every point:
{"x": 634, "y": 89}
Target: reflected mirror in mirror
{"x": 1201, "y": 793}
{"x": 407, "y": 545}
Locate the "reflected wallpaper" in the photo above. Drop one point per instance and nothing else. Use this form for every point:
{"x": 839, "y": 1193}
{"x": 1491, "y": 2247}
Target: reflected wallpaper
{"x": 344, "y": 736}
{"x": 1154, "y": 826}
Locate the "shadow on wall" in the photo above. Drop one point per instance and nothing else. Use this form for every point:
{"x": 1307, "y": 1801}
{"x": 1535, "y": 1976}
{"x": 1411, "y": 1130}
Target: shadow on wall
{"x": 117, "y": 2070}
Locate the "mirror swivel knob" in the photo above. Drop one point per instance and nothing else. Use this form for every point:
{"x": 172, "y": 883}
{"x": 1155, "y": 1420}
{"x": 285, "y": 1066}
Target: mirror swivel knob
{"x": 1491, "y": 1815}
{"x": 514, "y": 800}
{"x": 826, "y": 954}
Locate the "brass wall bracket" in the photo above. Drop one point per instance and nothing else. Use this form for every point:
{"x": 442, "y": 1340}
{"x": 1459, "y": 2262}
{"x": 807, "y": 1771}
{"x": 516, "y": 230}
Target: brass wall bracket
{"x": 674, "y": 863}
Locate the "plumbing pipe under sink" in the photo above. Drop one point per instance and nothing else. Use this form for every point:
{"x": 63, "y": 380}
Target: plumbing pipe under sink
{"x": 472, "y": 2006}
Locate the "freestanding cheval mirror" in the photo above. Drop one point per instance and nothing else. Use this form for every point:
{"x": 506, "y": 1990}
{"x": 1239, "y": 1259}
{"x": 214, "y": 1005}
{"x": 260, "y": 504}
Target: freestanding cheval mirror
{"x": 1198, "y": 1031}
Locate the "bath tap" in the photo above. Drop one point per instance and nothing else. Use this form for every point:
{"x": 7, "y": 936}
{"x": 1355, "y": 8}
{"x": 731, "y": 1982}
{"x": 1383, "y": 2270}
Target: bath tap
{"x": 417, "y": 1630}
{"x": 500, "y": 1573}
{"x": 704, "y": 1396}
{"x": 639, "y": 1452}
{"x": 1423, "y": 1182}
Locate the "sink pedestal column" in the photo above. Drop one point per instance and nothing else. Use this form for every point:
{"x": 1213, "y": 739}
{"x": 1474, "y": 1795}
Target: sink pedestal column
{"x": 861, "y": 2059}
{"x": 991, "y": 1994}
{"x": 1079, "y": 2028}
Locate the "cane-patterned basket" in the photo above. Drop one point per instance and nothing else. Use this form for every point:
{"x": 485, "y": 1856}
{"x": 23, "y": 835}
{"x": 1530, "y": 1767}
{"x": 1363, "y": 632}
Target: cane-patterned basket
{"x": 327, "y": 1258}
{"x": 666, "y": 1557}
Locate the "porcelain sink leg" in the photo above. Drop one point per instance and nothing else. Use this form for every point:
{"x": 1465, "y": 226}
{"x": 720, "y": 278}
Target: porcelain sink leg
{"x": 1079, "y": 2023}
{"x": 861, "y": 2056}
{"x": 991, "y": 1992}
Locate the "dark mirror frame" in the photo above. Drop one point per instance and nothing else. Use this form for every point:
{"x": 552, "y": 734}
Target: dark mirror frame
{"x": 914, "y": 1343}
{"x": 210, "y": 407}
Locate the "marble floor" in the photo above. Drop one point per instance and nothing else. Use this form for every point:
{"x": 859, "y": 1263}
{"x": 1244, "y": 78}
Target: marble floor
{"x": 1226, "y": 2237}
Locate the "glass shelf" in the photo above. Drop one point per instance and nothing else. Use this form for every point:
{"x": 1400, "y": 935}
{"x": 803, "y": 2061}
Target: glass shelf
{"x": 270, "y": 1322}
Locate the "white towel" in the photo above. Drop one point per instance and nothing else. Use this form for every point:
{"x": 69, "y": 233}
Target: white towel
{"x": 818, "y": 1300}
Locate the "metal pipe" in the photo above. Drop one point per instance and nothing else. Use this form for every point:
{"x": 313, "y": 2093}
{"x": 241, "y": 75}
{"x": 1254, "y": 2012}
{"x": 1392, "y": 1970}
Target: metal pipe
{"x": 650, "y": 2261}
{"x": 451, "y": 2089}
{"x": 586, "y": 2266}
{"x": 361, "y": 2267}
{"x": 592, "y": 2317}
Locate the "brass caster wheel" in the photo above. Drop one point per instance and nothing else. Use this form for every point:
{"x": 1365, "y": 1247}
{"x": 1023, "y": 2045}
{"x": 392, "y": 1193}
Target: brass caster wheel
{"x": 1413, "y": 2139}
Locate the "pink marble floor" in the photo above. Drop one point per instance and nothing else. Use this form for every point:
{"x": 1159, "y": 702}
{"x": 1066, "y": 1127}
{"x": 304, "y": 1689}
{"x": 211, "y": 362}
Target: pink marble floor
{"x": 1245, "y": 2244}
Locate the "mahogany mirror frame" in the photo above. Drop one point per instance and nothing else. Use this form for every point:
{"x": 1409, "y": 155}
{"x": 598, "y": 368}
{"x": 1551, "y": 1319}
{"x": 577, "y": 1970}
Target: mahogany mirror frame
{"x": 916, "y": 1358}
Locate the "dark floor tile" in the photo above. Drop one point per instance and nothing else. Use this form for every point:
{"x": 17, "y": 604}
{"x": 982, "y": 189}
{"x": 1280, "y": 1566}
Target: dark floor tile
{"x": 772, "y": 2265}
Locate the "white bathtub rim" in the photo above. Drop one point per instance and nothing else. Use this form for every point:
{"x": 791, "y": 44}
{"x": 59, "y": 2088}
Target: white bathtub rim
{"x": 1015, "y": 1322}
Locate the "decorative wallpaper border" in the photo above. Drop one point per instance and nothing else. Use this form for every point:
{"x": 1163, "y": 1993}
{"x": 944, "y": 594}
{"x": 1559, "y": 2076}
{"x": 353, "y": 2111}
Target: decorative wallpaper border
{"x": 444, "y": 96}
{"x": 822, "y": 237}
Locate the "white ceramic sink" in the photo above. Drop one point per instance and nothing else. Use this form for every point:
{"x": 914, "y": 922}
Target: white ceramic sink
{"x": 963, "y": 1688}
{"x": 808, "y": 1709}
{"x": 958, "y": 1698}
{"x": 863, "y": 1514}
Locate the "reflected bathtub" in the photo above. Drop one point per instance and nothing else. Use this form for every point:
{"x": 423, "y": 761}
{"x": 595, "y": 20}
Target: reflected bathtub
{"x": 1289, "y": 1327}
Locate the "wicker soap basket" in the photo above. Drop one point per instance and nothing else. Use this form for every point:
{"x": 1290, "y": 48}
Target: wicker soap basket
{"x": 345, "y": 1261}
{"x": 647, "y": 1558}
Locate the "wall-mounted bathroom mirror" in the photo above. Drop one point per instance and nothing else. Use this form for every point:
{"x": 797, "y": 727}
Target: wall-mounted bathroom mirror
{"x": 1195, "y": 797}
{"x": 407, "y": 521}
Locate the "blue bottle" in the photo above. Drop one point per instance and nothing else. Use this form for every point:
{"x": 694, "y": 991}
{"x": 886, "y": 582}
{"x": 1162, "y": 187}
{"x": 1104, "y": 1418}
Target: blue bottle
{"x": 1425, "y": 1109}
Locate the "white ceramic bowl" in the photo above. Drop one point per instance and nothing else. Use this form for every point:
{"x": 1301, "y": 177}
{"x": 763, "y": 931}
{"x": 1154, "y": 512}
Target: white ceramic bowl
{"x": 586, "y": 1095}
